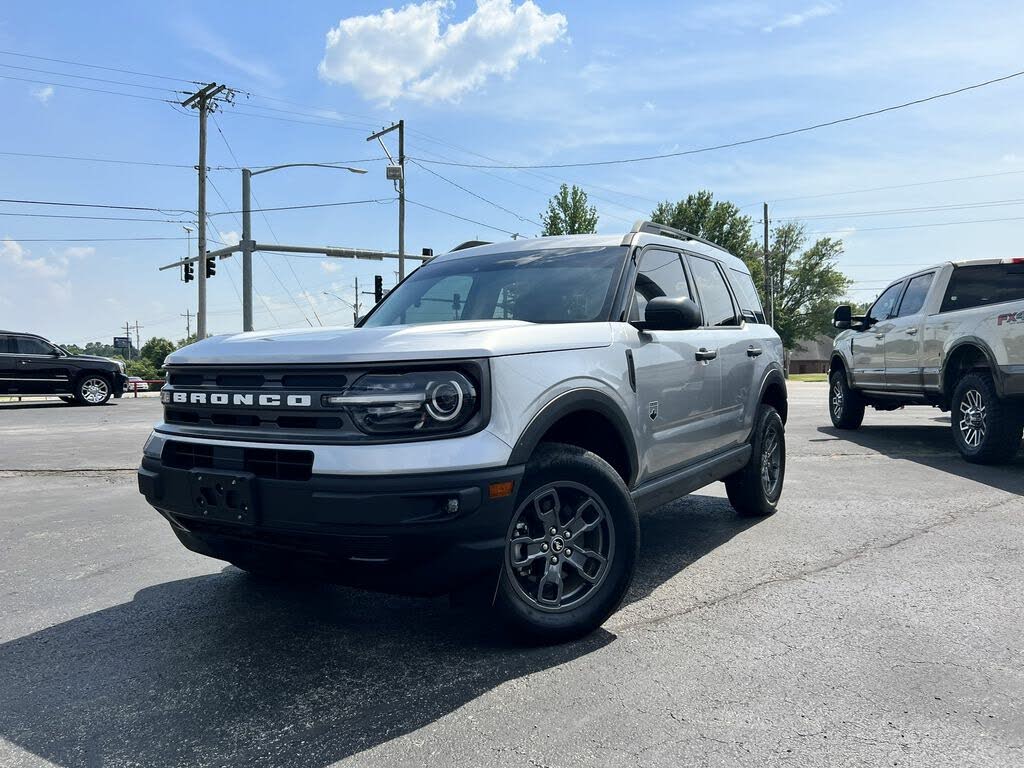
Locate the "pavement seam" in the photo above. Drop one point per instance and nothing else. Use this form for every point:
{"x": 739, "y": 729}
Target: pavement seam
{"x": 860, "y": 552}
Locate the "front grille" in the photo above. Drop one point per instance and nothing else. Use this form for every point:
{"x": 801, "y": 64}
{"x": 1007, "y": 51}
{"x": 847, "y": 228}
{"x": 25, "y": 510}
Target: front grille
{"x": 268, "y": 463}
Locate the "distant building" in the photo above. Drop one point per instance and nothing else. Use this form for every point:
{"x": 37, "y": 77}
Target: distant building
{"x": 811, "y": 355}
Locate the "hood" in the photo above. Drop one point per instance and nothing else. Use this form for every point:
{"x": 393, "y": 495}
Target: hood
{"x": 94, "y": 357}
{"x": 434, "y": 341}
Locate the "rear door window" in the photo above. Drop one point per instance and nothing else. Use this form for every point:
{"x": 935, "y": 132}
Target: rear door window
{"x": 917, "y": 292}
{"x": 983, "y": 284}
{"x": 715, "y": 299}
{"x": 746, "y": 294}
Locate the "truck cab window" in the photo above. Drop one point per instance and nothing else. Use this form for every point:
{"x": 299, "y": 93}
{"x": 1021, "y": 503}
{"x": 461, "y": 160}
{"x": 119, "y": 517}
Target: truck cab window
{"x": 917, "y": 292}
{"x": 886, "y": 303}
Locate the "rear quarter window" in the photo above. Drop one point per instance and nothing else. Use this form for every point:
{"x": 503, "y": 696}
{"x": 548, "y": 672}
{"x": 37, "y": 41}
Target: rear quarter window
{"x": 983, "y": 284}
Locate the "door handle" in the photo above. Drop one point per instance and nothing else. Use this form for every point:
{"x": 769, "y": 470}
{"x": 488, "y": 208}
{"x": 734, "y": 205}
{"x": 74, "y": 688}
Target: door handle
{"x": 912, "y": 331}
{"x": 24, "y": 362}
{"x": 704, "y": 355}
{"x": 754, "y": 351}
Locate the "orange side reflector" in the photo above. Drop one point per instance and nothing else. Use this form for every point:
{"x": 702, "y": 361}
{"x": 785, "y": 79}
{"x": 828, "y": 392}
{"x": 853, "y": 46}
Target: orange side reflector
{"x": 500, "y": 490}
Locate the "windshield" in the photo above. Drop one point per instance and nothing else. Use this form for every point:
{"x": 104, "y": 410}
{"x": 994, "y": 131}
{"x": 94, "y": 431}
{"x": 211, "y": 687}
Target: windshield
{"x": 558, "y": 285}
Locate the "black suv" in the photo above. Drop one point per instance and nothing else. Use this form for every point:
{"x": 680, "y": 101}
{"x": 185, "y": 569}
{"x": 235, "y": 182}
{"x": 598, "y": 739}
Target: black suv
{"x": 31, "y": 365}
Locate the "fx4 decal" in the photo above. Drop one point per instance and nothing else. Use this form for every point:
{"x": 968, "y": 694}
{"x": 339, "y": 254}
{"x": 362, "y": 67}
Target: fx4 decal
{"x": 1011, "y": 317}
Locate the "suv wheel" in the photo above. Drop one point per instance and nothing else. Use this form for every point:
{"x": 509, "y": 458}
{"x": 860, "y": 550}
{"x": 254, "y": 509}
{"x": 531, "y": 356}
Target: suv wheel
{"x": 986, "y": 430}
{"x": 93, "y": 389}
{"x": 754, "y": 491}
{"x": 571, "y": 547}
{"x": 845, "y": 405}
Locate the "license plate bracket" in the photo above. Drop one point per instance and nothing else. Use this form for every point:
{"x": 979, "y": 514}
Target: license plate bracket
{"x": 224, "y": 496}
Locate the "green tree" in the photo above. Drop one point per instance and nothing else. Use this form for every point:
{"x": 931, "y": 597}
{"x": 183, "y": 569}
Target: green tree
{"x": 807, "y": 283}
{"x": 569, "y": 214}
{"x": 718, "y": 221}
{"x": 156, "y": 350}
{"x": 143, "y": 368}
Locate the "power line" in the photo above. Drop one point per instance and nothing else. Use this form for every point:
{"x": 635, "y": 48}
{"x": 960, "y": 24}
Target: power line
{"x": 886, "y": 188}
{"x": 85, "y": 88}
{"x": 899, "y": 211}
{"x": 167, "y": 211}
{"x": 463, "y": 218}
{"x": 89, "y": 239}
{"x": 742, "y": 142}
{"x": 102, "y": 160}
{"x": 92, "y": 79}
{"x": 97, "y": 66}
{"x": 94, "y": 218}
{"x": 914, "y": 226}
{"x": 307, "y": 206}
{"x": 478, "y": 197}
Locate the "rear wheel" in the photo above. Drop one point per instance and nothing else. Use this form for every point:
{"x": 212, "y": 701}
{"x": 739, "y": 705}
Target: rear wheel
{"x": 845, "y": 405}
{"x": 93, "y": 389}
{"x": 571, "y": 547}
{"x": 755, "y": 490}
{"x": 987, "y": 430}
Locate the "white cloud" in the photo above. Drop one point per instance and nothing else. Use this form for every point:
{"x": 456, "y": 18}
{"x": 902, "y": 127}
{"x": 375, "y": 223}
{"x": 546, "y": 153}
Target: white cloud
{"x": 801, "y": 17}
{"x": 44, "y": 94}
{"x": 406, "y": 53}
{"x": 78, "y": 252}
{"x": 19, "y": 257}
{"x": 330, "y": 266}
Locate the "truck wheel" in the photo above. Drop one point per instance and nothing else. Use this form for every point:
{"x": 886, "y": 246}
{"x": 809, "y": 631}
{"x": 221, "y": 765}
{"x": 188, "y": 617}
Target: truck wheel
{"x": 571, "y": 548}
{"x": 845, "y": 405}
{"x": 986, "y": 429}
{"x": 754, "y": 491}
{"x": 93, "y": 389}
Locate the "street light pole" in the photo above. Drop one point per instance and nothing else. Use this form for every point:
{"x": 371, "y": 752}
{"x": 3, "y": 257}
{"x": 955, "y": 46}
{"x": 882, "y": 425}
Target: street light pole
{"x": 247, "y": 244}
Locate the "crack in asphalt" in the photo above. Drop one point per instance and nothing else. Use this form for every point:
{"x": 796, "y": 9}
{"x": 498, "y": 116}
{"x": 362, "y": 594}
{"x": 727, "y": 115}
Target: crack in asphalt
{"x": 861, "y": 551}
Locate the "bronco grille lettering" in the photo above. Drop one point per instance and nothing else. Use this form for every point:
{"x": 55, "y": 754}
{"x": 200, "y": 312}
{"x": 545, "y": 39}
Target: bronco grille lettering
{"x": 239, "y": 399}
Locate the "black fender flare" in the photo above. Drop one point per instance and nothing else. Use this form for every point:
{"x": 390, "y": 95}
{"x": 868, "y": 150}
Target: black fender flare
{"x": 773, "y": 376}
{"x": 573, "y": 401}
{"x": 847, "y": 367}
{"x": 972, "y": 341}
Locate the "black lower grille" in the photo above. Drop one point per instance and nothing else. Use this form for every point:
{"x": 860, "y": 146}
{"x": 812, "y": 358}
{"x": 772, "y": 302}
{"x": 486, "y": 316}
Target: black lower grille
{"x": 269, "y": 463}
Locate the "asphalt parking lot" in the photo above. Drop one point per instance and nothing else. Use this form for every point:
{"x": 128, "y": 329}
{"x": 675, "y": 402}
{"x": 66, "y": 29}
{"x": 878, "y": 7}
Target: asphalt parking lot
{"x": 877, "y": 619}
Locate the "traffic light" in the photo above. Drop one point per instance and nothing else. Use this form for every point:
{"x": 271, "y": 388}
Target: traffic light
{"x": 211, "y": 266}
{"x": 187, "y": 271}
{"x": 378, "y": 289}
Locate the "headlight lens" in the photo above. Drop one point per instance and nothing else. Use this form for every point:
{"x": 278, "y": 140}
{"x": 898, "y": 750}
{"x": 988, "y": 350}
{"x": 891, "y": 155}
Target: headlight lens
{"x": 120, "y": 364}
{"x": 409, "y": 403}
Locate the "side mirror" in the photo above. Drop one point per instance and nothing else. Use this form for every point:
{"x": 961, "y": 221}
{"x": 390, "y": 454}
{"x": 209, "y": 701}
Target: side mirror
{"x": 665, "y": 314}
{"x": 843, "y": 316}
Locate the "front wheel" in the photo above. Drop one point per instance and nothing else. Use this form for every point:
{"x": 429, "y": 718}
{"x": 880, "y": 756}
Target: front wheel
{"x": 755, "y": 490}
{"x": 93, "y": 389}
{"x": 571, "y": 546}
{"x": 845, "y": 405}
{"x": 985, "y": 428}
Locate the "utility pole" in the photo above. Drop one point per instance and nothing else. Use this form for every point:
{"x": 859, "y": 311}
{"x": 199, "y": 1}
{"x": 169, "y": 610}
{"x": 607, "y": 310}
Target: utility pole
{"x": 188, "y": 323}
{"x": 138, "y": 341}
{"x": 355, "y": 310}
{"x": 769, "y": 289}
{"x": 128, "y": 333}
{"x": 203, "y": 100}
{"x": 396, "y": 173}
{"x": 247, "y": 246}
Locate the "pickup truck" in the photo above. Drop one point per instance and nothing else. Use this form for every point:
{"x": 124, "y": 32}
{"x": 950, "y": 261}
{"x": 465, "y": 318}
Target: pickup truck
{"x": 952, "y": 337}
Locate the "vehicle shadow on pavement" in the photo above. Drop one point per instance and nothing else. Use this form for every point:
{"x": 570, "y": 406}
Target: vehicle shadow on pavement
{"x": 225, "y": 669}
{"x": 932, "y": 446}
{"x": 42, "y": 404}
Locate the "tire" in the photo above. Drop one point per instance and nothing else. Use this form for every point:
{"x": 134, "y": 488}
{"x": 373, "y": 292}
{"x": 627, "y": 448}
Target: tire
{"x": 986, "y": 430}
{"x": 93, "y": 389}
{"x": 570, "y": 491}
{"x": 845, "y": 405}
{"x": 755, "y": 490}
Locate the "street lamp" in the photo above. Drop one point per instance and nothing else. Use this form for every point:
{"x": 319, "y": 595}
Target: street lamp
{"x": 355, "y": 307}
{"x": 248, "y": 244}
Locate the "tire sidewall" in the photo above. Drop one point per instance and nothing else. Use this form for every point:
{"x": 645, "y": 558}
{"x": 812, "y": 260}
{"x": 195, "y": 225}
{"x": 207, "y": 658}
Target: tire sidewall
{"x": 567, "y": 463}
{"x": 837, "y": 380}
{"x": 981, "y": 384}
{"x": 770, "y": 418}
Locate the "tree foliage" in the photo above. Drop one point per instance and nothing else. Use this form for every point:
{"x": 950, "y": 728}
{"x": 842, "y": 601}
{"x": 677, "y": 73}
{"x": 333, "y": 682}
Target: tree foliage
{"x": 569, "y": 213}
{"x": 156, "y": 350}
{"x": 807, "y": 281}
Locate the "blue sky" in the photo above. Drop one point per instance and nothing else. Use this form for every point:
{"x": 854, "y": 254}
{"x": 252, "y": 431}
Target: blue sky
{"x": 548, "y": 81}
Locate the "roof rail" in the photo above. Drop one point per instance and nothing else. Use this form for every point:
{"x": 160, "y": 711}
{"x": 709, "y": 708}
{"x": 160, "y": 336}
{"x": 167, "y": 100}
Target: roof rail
{"x": 652, "y": 228}
{"x": 469, "y": 244}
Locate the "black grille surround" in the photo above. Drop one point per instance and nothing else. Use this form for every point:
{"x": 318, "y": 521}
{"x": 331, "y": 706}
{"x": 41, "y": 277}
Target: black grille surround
{"x": 305, "y": 424}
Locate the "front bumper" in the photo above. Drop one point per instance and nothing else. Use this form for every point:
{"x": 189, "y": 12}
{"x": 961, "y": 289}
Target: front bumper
{"x": 119, "y": 385}
{"x": 395, "y": 533}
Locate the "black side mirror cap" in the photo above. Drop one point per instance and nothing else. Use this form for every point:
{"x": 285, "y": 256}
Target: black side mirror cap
{"x": 843, "y": 316}
{"x": 665, "y": 314}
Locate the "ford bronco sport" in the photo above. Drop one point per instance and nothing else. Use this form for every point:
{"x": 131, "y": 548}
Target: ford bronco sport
{"x": 499, "y": 419}
{"x": 952, "y": 337}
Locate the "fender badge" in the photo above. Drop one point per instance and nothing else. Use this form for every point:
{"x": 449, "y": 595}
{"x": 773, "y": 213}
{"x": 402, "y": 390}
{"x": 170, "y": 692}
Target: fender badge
{"x": 652, "y": 410}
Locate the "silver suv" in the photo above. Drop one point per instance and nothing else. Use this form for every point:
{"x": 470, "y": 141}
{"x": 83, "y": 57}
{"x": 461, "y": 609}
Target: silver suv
{"x": 497, "y": 422}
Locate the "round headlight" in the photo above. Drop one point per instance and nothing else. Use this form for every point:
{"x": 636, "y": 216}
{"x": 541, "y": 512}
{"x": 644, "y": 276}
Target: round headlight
{"x": 444, "y": 400}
